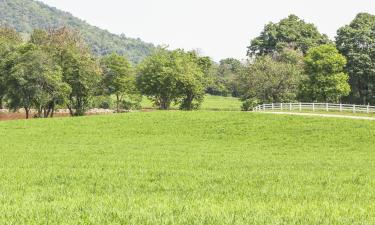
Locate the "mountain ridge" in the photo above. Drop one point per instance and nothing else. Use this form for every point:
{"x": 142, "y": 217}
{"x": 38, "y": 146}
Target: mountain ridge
{"x": 26, "y": 15}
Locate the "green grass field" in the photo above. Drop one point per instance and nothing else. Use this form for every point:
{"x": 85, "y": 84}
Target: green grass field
{"x": 187, "y": 168}
{"x": 211, "y": 102}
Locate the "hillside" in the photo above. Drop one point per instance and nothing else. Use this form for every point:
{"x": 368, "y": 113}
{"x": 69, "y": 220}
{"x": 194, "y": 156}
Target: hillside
{"x": 26, "y": 15}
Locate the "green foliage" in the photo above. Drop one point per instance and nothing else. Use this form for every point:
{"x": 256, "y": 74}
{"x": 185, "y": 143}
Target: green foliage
{"x": 27, "y": 15}
{"x": 80, "y": 70}
{"x": 34, "y": 81}
{"x": 187, "y": 168}
{"x": 83, "y": 74}
{"x": 291, "y": 32}
{"x": 118, "y": 79}
{"x": 270, "y": 79}
{"x": 102, "y": 102}
{"x": 356, "y": 42}
{"x": 228, "y": 72}
{"x": 249, "y": 104}
{"x": 172, "y": 76}
{"x": 326, "y": 80}
{"x": 9, "y": 40}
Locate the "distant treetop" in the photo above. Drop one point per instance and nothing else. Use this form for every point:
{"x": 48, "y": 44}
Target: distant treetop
{"x": 291, "y": 32}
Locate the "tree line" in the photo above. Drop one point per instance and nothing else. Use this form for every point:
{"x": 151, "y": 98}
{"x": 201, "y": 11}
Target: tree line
{"x": 289, "y": 61}
{"x": 55, "y": 68}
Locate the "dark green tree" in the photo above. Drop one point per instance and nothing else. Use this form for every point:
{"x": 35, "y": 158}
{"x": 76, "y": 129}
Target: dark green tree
{"x": 34, "y": 80}
{"x": 9, "y": 40}
{"x": 356, "y": 42}
{"x": 291, "y": 32}
{"x": 228, "y": 72}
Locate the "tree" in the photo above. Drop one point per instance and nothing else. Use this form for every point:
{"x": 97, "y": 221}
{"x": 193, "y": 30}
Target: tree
{"x": 267, "y": 79}
{"x": 326, "y": 82}
{"x": 35, "y": 81}
{"x": 172, "y": 76}
{"x": 228, "y": 71}
{"x": 192, "y": 80}
{"x": 83, "y": 74}
{"x": 81, "y": 71}
{"x": 356, "y": 42}
{"x": 9, "y": 40}
{"x": 291, "y": 32}
{"x": 119, "y": 79}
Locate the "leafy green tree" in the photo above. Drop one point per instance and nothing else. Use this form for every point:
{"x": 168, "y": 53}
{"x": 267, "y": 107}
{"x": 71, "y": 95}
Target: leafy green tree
{"x": 269, "y": 80}
{"x": 119, "y": 79}
{"x": 34, "y": 81}
{"x": 193, "y": 79}
{"x": 291, "y": 32}
{"x": 356, "y": 42}
{"x": 228, "y": 72}
{"x": 83, "y": 74}
{"x": 9, "y": 40}
{"x": 81, "y": 71}
{"x": 172, "y": 76}
{"x": 327, "y": 80}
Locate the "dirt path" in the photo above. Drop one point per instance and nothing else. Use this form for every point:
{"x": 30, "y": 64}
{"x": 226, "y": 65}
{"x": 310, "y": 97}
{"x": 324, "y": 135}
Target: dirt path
{"x": 323, "y": 115}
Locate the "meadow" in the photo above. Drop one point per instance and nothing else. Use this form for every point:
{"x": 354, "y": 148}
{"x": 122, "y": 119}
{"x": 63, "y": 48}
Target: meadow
{"x": 187, "y": 168}
{"x": 211, "y": 102}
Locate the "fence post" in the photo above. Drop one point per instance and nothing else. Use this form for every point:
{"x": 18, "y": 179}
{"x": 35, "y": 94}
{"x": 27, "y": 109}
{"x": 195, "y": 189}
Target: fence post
{"x": 353, "y": 108}
{"x": 368, "y": 108}
{"x": 300, "y": 106}
{"x": 272, "y": 107}
{"x": 327, "y": 107}
{"x": 290, "y": 106}
{"x": 281, "y": 106}
{"x": 313, "y": 107}
{"x": 264, "y": 107}
{"x": 340, "y": 107}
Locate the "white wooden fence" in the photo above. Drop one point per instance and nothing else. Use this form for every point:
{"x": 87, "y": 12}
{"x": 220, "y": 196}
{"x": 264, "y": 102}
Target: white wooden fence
{"x": 315, "y": 107}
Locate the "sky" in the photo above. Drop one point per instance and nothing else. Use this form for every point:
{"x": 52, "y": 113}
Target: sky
{"x": 217, "y": 28}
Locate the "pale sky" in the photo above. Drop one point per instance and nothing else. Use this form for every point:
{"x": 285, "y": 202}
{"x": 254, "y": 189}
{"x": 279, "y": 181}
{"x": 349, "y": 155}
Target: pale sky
{"x": 218, "y": 28}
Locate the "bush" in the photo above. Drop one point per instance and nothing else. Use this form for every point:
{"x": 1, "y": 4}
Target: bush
{"x": 131, "y": 102}
{"x": 249, "y": 104}
{"x": 102, "y": 102}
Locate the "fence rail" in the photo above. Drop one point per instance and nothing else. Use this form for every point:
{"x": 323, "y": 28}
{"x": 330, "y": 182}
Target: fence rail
{"x": 315, "y": 107}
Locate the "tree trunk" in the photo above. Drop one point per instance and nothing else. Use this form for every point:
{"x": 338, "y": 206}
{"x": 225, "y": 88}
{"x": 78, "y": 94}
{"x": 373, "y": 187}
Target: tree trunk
{"x": 27, "y": 112}
{"x": 52, "y": 109}
{"x": 118, "y": 103}
{"x": 1, "y": 102}
{"x": 164, "y": 104}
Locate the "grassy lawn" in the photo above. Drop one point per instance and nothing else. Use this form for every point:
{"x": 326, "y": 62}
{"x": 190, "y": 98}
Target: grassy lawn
{"x": 211, "y": 102}
{"x": 332, "y": 112}
{"x": 187, "y": 168}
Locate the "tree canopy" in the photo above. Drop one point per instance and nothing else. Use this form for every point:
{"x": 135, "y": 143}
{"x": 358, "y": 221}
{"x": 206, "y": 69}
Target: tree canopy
{"x": 269, "y": 79}
{"x": 291, "y": 32}
{"x": 327, "y": 81}
{"x": 118, "y": 78}
{"x": 356, "y": 42}
{"x": 172, "y": 76}
{"x": 34, "y": 81}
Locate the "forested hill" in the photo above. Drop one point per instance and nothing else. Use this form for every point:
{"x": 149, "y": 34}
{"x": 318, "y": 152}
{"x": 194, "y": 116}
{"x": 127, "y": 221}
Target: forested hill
{"x": 26, "y": 15}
